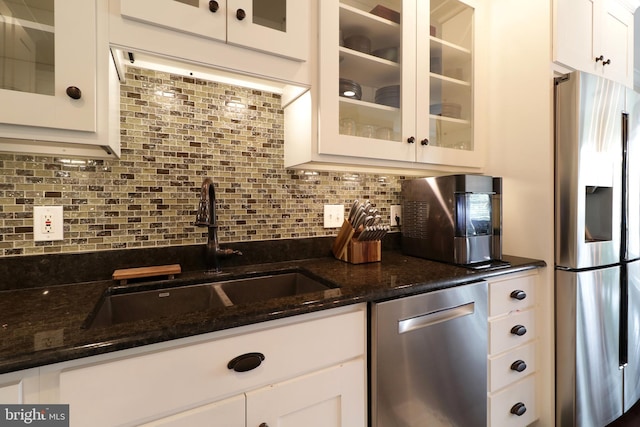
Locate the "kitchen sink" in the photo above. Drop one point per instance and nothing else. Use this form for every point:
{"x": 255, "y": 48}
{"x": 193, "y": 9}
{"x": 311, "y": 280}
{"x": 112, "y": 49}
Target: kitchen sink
{"x": 258, "y": 289}
{"x": 122, "y": 304}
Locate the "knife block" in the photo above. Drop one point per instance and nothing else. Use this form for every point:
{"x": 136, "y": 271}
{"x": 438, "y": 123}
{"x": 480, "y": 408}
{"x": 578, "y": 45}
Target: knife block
{"x": 347, "y": 248}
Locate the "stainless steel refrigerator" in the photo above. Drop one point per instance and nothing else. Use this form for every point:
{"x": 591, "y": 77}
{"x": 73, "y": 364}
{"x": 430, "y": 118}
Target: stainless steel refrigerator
{"x": 597, "y": 259}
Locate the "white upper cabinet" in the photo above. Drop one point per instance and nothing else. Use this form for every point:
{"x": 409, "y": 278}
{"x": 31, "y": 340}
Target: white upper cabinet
{"x": 277, "y": 27}
{"x": 48, "y": 60}
{"x": 262, "y": 39}
{"x": 54, "y": 78}
{"x": 397, "y": 85}
{"x": 595, "y": 36}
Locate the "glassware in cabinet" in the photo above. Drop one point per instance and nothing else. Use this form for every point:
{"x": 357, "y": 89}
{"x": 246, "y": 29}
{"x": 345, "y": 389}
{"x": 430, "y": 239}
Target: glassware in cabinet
{"x": 370, "y": 69}
{"x": 451, "y": 75}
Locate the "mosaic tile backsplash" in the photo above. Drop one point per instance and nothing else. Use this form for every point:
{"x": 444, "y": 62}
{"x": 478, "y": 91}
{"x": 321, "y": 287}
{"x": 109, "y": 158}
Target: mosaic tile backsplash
{"x": 175, "y": 131}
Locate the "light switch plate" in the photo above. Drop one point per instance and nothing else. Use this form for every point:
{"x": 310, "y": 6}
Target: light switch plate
{"x": 333, "y": 216}
{"x": 48, "y": 223}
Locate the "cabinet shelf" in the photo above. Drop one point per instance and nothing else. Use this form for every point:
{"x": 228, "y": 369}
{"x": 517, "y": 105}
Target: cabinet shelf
{"x": 382, "y": 32}
{"x": 445, "y": 10}
{"x": 364, "y": 112}
{"x": 449, "y": 119}
{"x": 368, "y": 70}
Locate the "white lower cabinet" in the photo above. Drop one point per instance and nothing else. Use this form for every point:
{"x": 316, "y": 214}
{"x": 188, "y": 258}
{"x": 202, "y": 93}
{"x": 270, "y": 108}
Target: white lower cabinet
{"x": 312, "y": 372}
{"x": 228, "y": 412}
{"x": 19, "y": 387}
{"x": 328, "y": 398}
{"x": 512, "y": 351}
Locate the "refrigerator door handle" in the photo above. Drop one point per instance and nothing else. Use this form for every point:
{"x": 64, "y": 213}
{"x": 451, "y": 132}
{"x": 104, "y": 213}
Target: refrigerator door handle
{"x": 624, "y": 231}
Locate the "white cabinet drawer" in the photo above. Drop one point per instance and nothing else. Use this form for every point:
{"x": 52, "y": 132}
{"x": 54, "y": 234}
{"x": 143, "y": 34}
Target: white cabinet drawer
{"x": 501, "y": 331}
{"x": 502, "y": 404}
{"x": 501, "y": 373}
{"x": 185, "y": 377}
{"x": 503, "y": 294}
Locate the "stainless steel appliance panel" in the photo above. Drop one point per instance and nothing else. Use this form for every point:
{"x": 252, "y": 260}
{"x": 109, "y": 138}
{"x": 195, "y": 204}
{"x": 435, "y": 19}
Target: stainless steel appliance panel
{"x": 632, "y": 250}
{"x": 632, "y": 369}
{"x": 452, "y": 218}
{"x": 588, "y": 170}
{"x": 588, "y": 375}
{"x": 429, "y": 364}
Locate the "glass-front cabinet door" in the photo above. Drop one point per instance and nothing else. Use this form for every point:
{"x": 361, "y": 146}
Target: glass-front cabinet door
{"x": 280, "y": 27}
{"x": 397, "y": 81}
{"x": 364, "y": 56}
{"x": 446, "y": 115}
{"x": 48, "y": 64}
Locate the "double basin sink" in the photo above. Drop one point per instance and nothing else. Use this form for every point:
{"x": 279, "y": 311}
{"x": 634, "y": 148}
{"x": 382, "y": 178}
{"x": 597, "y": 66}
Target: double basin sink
{"x": 129, "y": 303}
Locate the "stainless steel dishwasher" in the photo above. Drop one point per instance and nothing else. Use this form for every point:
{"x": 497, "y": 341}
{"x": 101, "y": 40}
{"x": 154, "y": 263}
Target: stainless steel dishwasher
{"x": 429, "y": 359}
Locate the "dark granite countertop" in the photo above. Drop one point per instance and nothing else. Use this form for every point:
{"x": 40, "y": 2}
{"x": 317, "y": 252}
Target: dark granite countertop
{"x": 44, "y": 325}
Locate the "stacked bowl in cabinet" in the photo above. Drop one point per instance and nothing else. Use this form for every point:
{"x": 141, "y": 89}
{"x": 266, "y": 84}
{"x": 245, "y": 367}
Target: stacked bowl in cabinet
{"x": 512, "y": 353}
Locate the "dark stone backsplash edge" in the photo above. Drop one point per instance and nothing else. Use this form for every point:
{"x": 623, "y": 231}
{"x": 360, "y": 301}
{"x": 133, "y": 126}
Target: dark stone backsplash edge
{"x": 36, "y": 271}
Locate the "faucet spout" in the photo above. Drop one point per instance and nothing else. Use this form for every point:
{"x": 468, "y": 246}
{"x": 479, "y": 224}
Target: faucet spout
{"x": 206, "y": 217}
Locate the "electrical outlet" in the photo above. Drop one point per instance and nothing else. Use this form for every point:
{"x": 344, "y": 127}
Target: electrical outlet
{"x": 333, "y": 216}
{"x": 48, "y": 223}
{"x": 48, "y": 339}
{"x": 395, "y": 217}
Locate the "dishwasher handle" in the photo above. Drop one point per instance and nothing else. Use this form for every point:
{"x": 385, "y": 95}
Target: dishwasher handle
{"x": 434, "y": 317}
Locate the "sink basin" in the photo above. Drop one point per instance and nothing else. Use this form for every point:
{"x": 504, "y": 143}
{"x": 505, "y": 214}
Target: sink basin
{"x": 150, "y": 304}
{"x": 122, "y": 304}
{"x": 263, "y": 288}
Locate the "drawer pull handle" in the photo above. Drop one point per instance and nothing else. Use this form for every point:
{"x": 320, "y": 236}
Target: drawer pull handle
{"x": 519, "y": 366}
{"x": 518, "y": 409}
{"x": 519, "y": 330}
{"x": 246, "y": 362}
{"x": 518, "y": 294}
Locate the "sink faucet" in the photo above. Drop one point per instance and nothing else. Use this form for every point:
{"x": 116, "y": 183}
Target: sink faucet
{"x": 206, "y": 217}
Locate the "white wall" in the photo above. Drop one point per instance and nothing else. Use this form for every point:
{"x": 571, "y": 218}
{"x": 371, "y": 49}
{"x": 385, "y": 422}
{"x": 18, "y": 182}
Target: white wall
{"x": 521, "y": 150}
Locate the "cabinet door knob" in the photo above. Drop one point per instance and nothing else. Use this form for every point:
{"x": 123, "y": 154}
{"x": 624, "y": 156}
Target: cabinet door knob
{"x": 600, "y": 58}
{"x": 246, "y": 362}
{"x": 263, "y": 425}
{"x": 607, "y": 62}
{"x": 519, "y": 330}
{"x": 213, "y": 6}
{"x": 518, "y": 409}
{"x": 241, "y": 14}
{"x": 424, "y": 141}
{"x": 518, "y": 366}
{"x": 518, "y": 294}
{"x": 411, "y": 140}
{"x": 74, "y": 92}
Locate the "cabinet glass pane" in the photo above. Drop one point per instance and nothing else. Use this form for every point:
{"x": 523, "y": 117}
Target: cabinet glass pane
{"x": 370, "y": 69}
{"x": 270, "y": 14}
{"x": 27, "y": 46}
{"x": 451, "y": 75}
